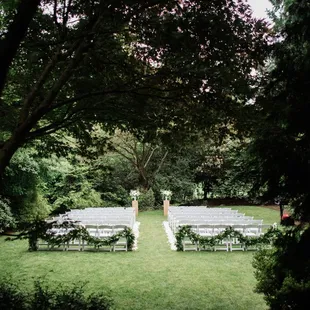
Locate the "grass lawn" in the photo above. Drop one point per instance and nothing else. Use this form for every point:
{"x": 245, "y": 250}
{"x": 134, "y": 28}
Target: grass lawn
{"x": 153, "y": 277}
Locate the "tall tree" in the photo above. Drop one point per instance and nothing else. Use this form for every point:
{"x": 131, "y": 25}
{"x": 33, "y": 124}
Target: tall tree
{"x": 280, "y": 149}
{"x": 146, "y": 158}
{"x": 11, "y": 39}
{"x": 139, "y": 65}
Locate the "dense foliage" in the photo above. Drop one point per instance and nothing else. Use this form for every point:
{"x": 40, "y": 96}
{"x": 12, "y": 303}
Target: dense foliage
{"x": 152, "y": 67}
{"x": 279, "y": 154}
{"x": 283, "y": 273}
{"x": 23, "y": 185}
{"x": 6, "y": 217}
{"x": 147, "y": 200}
{"x": 44, "y": 297}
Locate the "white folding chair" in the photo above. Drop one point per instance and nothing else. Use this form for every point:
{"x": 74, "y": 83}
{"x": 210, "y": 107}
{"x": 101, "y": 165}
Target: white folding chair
{"x": 93, "y": 231}
{"x": 235, "y": 244}
{"x": 207, "y": 231}
{"x": 252, "y": 231}
{"x": 121, "y": 244}
{"x": 224, "y": 244}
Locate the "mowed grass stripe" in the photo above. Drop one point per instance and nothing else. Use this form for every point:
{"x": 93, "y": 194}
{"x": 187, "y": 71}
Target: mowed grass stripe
{"x": 153, "y": 277}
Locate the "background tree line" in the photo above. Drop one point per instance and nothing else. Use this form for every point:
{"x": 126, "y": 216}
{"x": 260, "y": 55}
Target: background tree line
{"x": 158, "y": 71}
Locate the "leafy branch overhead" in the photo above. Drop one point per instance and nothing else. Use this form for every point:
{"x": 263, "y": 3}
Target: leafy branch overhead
{"x": 140, "y": 66}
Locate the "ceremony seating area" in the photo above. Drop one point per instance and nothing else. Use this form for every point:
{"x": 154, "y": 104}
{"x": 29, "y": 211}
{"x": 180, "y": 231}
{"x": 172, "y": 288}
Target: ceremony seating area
{"x": 102, "y": 216}
{"x": 153, "y": 271}
{"x": 99, "y": 222}
{"x": 210, "y": 222}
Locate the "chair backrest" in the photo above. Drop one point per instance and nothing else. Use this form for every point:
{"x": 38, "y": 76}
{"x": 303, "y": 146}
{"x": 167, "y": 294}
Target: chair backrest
{"x": 91, "y": 227}
{"x": 205, "y": 228}
{"x": 238, "y": 227}
{"x": 252, "y": 228}
{"x": 119, "y": 228}
{"x": 105, "y": 230}
{"x": 219, "y": 228}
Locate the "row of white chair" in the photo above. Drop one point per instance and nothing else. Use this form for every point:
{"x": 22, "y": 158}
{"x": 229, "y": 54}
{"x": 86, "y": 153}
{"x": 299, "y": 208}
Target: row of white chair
{"x": 127, "y": 223}
{"x": 97, "y": 231}
{"x": 205, "y": 212}
{"x": 102, "y": 210}
{"x": 180, "y": 216}
{"x": 208, "y": 217}
{"x": 196, "y": 208}
{"x": 229, "y": 243}
{"x": 176, "y": 213}
{"x": 218, "y": 222}
{"x": 103, "y": 219}
{"x": 210, "y": 230}
{"x": 109, "y": 216}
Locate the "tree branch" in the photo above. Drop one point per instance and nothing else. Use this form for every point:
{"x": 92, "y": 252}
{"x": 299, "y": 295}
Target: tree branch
{"x": 117, "y": 91}
{"x": 150, "y": 156}
{"x": 125, "y": 156}
{"x": 46, "y": 130}
{"x": 161, "y": 163}
{"x": 16, "y": 33}
{"x": 82, "y": 46}
{"x": 31, "y": 96}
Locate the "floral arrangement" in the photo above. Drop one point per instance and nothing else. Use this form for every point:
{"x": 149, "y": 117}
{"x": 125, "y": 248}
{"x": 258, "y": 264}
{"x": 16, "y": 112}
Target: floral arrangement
{"x": 166, "y": 194}
{"x": 134, "y": 194}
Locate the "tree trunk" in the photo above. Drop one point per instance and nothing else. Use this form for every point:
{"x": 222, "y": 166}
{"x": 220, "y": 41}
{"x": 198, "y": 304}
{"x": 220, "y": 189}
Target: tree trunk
{"x": 205, "y": 194}
{"x": 16, "y": 33}
{"x": 143, "y": 180}
{"x": 281, "y": 211}
{"x": 206, "y": 189}
{"x": 7, "y": 151}
{"x": 17, "y": 139}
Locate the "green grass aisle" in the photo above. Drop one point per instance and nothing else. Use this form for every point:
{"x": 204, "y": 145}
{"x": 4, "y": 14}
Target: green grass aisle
{"x": 153, "y": 277}
{"x": 153, "y": 240}
{"x": 192, "y": 280}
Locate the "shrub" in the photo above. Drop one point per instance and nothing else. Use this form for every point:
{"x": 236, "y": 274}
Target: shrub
{"x": 6, "y": 218}
{"x": 44, "y": 298}
{"x": 33, "y": 207}
{"x": 116, "y": 198}
{"x": 83, "y": 197}
{"x": 283, "y": 273}
{"x": 73, "y": 298}
{"x": 287, "y": 221}
{"x": 11, "y": 297}
{"x": 147, "y": 200}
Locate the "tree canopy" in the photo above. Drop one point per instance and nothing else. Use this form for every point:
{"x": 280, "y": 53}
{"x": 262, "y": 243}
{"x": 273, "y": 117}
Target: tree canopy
{"x": 280, "y": 148}
{"x": 144, "y": 66}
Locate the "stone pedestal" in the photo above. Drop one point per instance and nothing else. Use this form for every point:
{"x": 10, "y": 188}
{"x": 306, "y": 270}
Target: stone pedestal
{"x": 135, "y": 205}
{"x": 166, "y": 207}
